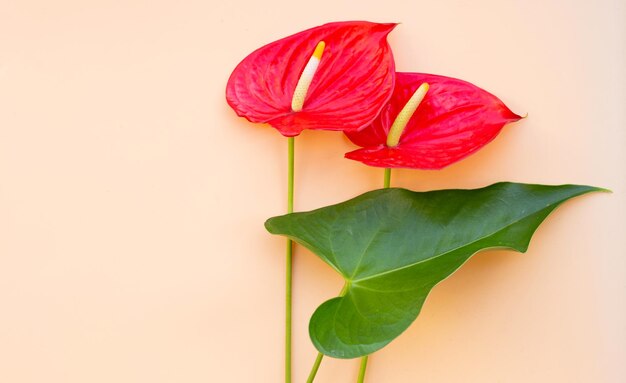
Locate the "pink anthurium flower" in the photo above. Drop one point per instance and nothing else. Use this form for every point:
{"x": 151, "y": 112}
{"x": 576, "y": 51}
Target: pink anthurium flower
{"x": 430, "y": 122}
{"x": 337, "y": 76}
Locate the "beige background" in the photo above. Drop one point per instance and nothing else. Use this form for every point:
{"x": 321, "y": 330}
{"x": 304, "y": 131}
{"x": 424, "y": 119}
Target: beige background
{"x": 132, "y": 198}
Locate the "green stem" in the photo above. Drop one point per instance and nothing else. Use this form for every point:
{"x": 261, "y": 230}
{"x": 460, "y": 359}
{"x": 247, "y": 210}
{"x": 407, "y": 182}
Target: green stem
{"x": 288, "y": 264}
{"x": 387, "y": 177}
{"x": 387, "y": 184}
{"x": 316, "y": 366}
{"x": 362, "y": 369}
{"x": 320, "y": 356}
{"x": 290, "y": 142}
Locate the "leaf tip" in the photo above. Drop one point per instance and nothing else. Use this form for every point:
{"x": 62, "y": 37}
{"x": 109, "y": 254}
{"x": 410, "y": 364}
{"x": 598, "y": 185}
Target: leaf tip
{"x": 592, "y": 189}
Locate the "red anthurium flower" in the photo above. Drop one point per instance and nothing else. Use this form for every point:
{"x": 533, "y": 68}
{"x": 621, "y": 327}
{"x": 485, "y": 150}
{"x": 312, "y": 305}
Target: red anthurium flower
{"x": 336, "y": 77}
{"x": 430, "y": 122}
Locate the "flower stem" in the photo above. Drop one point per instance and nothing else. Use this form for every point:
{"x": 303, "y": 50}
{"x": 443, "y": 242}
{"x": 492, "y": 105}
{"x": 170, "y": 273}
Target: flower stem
{"x": 387, "y": 177}
{"x": 362, "y": 369}
{"x": 290, "y": 142}
{"x": 288, "y": 264}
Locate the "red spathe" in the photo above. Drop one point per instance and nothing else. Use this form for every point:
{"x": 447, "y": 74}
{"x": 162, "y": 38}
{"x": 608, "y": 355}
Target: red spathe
{"x": 454, "y": 120}
{"x": 353, "y": 82}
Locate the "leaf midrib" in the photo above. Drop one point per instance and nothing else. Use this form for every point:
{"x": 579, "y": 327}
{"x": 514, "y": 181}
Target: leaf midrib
{"x": 374, "y": 276}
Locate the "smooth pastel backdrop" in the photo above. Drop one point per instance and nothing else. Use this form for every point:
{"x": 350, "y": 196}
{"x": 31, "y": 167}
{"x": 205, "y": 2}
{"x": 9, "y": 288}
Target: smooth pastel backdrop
{"x": 132, "y": 199}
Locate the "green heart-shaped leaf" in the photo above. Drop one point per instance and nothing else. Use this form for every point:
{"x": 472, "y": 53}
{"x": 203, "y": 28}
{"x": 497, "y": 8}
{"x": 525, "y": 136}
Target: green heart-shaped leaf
{"x": 392, "y": 246}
